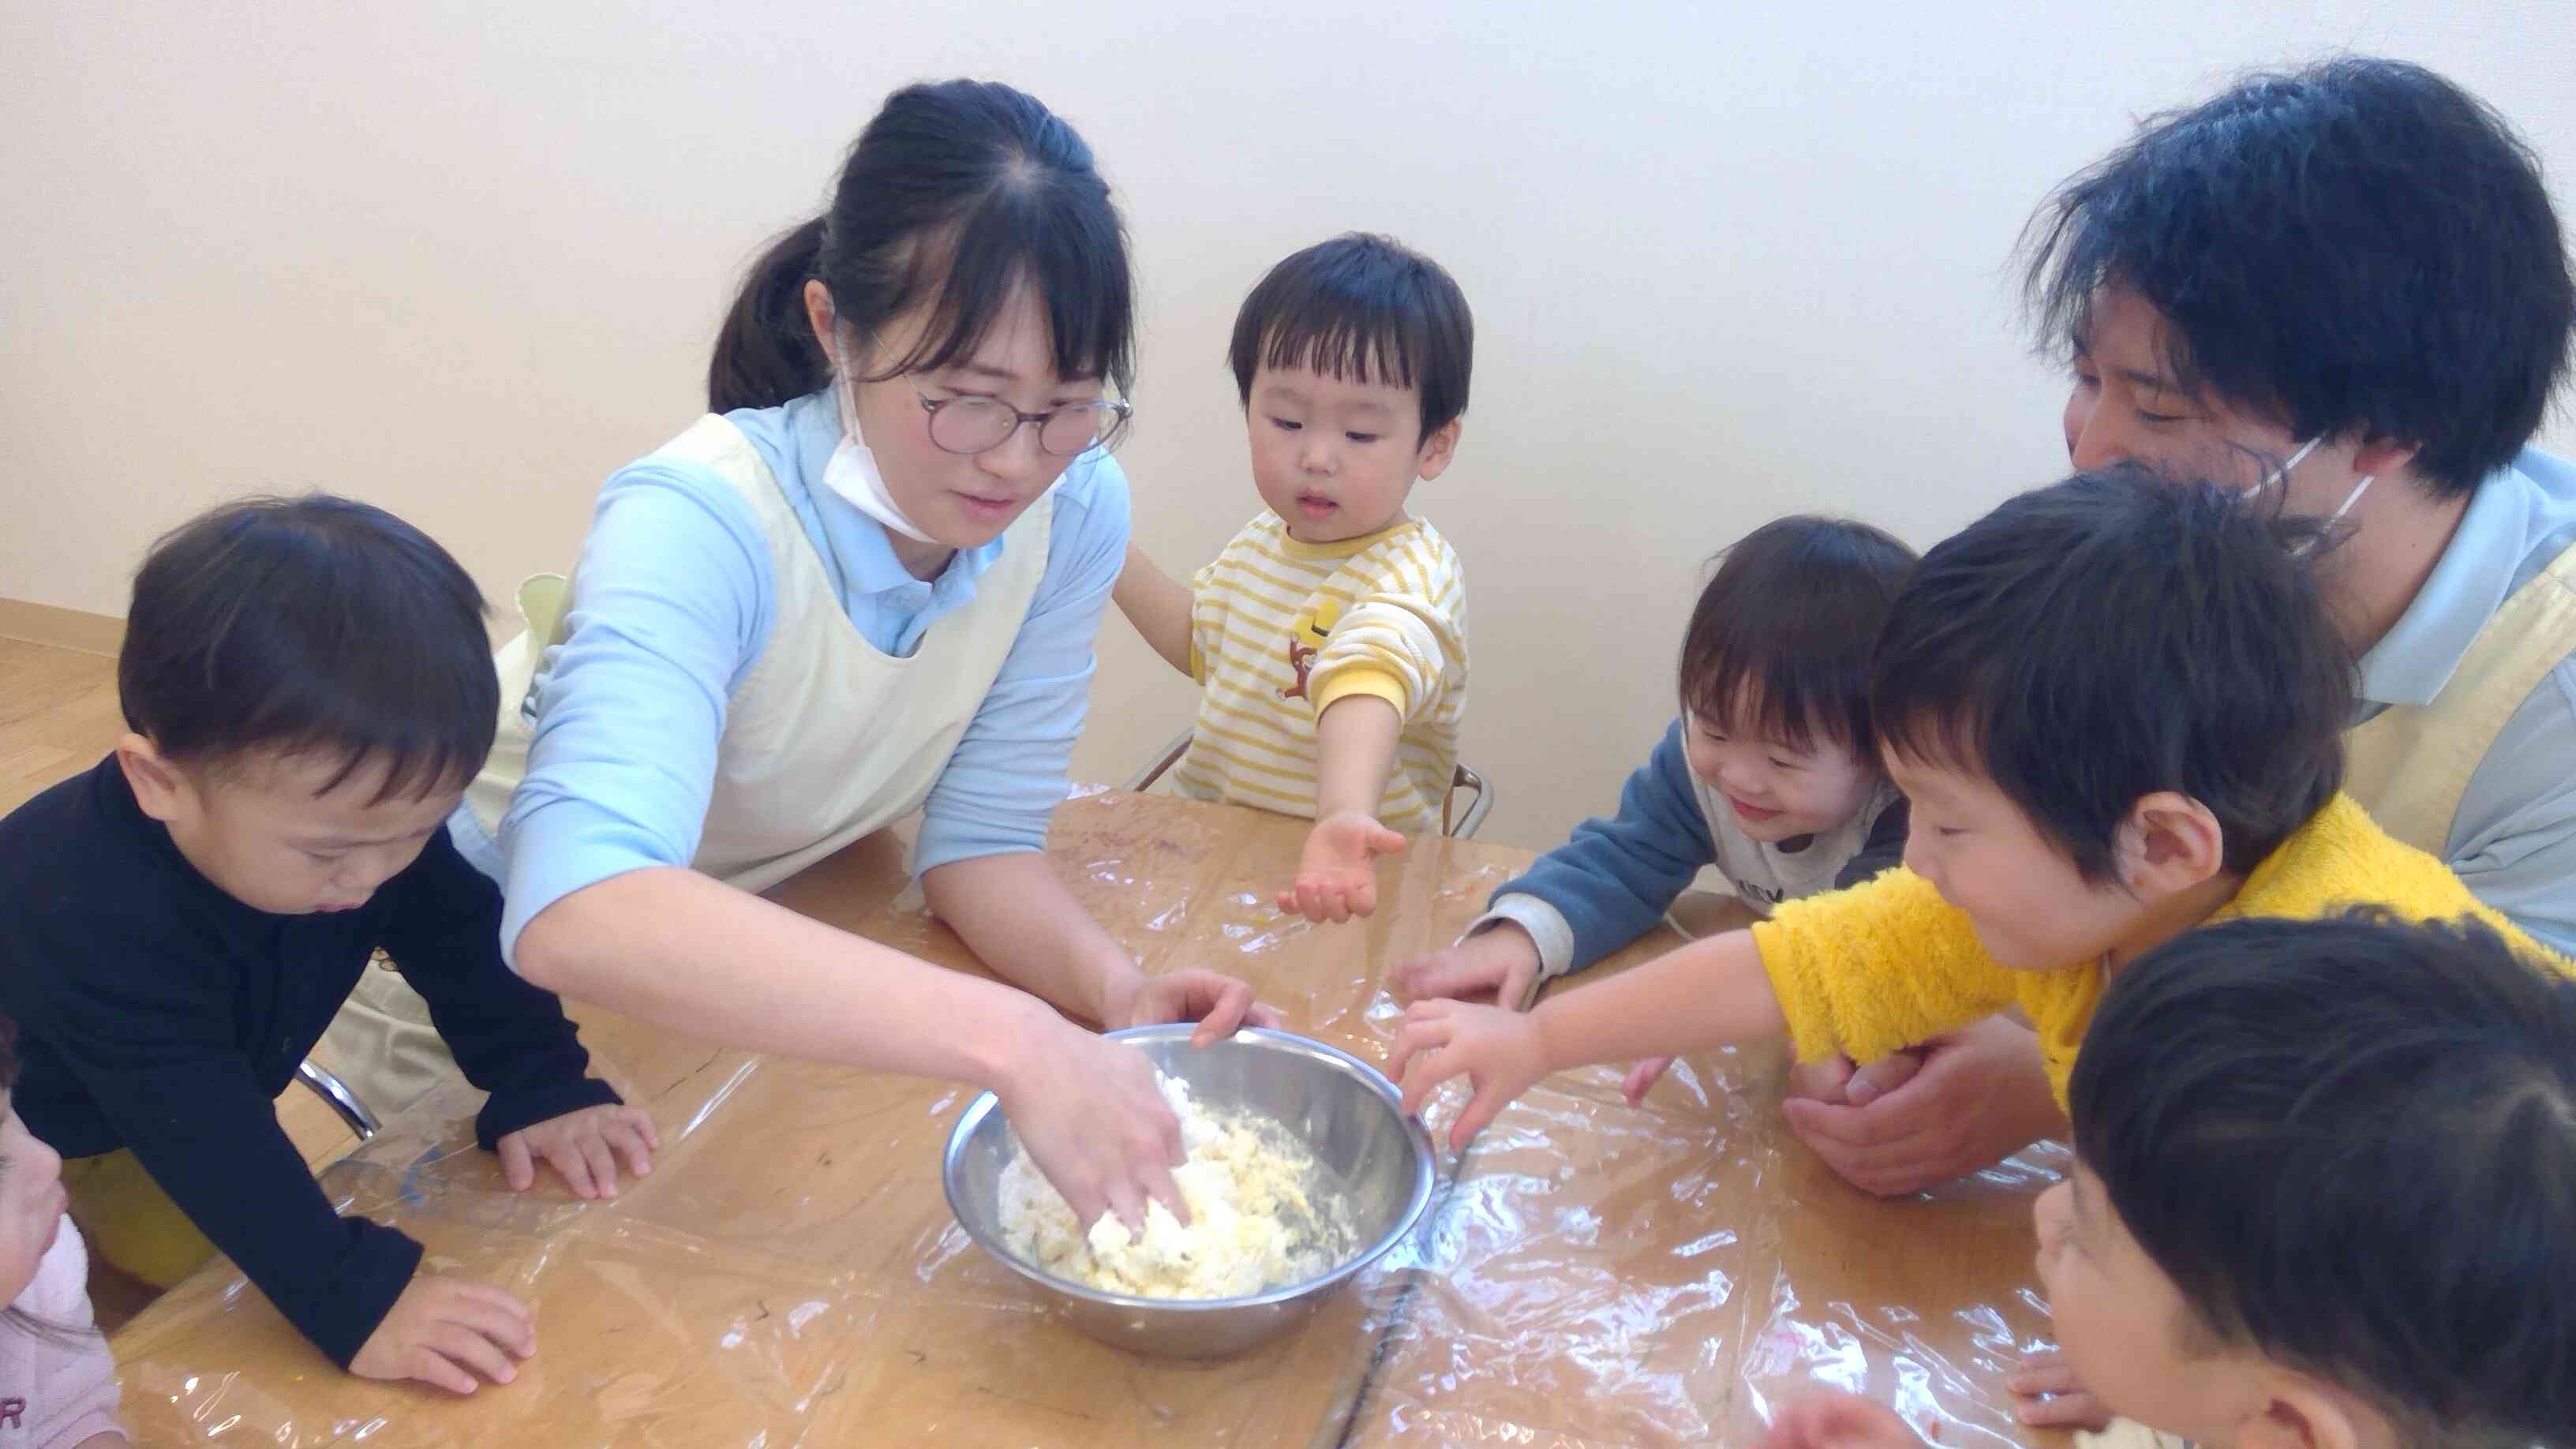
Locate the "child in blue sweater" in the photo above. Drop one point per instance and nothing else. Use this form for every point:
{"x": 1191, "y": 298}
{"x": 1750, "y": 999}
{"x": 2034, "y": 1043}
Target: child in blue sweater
{"x": 1769, "y": 774}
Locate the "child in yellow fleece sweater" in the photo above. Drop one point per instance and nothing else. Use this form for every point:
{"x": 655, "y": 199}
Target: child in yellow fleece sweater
{"x": 2116, "y": 705}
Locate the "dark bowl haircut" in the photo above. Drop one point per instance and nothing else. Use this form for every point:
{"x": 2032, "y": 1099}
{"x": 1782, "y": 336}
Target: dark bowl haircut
{"x": 1366, "y": 309}
{"x": 1779, "y": 642}
{"x": 2351, "y": 1144}
{"x": 314, "y": 626}
{"x": 2118, "y": 634}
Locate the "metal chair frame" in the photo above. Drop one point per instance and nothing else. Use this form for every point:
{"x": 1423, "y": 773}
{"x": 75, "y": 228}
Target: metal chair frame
{"x": 336, "y": 1095}
{"x": 1460, "y": 827}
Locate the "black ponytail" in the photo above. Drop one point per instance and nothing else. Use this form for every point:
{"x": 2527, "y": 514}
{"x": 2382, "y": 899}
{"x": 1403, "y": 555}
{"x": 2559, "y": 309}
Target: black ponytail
{"x": 955, "y": 196}
{"x": 766, "y": 352}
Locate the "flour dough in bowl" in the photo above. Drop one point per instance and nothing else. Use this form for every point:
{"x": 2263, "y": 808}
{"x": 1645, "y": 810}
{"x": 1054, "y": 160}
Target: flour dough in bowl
{"x": 1253, "y": 1226}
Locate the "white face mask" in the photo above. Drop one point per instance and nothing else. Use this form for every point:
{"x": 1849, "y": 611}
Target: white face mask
{"x": 2281, "y": 476}
{"x": 853, "y": 473}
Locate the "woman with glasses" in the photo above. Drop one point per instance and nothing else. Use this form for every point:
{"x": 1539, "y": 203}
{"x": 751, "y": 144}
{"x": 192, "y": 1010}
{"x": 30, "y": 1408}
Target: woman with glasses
{"x": 866, "y": 583}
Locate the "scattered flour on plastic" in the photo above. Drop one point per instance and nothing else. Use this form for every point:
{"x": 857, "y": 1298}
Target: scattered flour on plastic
{"x": 1252, "y": 1225}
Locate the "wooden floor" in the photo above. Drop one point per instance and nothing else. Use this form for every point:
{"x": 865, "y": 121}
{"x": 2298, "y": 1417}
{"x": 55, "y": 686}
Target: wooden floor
{"x": 58, "y": 717}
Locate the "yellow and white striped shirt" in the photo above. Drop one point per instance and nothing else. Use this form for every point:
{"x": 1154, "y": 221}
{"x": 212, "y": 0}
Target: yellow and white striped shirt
{"x": 1280, "y": 630}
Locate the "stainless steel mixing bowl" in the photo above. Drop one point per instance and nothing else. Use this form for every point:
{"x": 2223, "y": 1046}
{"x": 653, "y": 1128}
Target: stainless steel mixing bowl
{"x": 1376, "y": 1161}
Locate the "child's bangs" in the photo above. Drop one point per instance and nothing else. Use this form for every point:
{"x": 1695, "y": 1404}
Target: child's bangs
{"x": 406, "y": 753}
{"x": 416, "y": 720}
{"x": 1074, "y": 265}
{"x": 1937, "y": 699}
{"x": 1943, "y": 735}
{"x": 410, "y": 770}
{"x": 1338, "y": 337}
{"x": 1779, "y": 643}
{"x": 1756, "y": 698}
{"x": 1748, "y": 679}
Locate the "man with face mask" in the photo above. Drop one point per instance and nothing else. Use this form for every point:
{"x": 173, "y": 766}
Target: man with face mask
{"x": 2345, "y": 287}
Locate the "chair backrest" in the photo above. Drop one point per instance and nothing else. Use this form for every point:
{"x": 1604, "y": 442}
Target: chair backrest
{"x": 1465, "y": 824}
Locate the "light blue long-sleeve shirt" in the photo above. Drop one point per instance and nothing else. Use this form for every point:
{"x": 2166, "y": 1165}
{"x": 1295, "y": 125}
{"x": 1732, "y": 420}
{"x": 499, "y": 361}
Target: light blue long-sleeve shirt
{"x": 674, "y": 604}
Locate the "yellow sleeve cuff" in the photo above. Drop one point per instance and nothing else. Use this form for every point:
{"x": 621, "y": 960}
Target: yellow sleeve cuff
{"x": 1360, "y": 679}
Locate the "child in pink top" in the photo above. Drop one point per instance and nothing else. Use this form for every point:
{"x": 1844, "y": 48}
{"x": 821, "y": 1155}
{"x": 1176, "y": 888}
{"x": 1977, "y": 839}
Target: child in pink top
{"x": 57, "y": 1383}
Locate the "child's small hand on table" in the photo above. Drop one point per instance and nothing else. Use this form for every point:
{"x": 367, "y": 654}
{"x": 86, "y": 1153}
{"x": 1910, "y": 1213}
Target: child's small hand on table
{"x": 1500, "y": 1052}
{"x": 1642, "y": 1078}
{"x": 2052, "y": 1397}
{"x": 1832, "y": 1419}
{"x": 1497, "y": 965}
{"x": 584, "y": 1146}
{"x": 449, "y": 1333}
{"x": 1337, "y": 876}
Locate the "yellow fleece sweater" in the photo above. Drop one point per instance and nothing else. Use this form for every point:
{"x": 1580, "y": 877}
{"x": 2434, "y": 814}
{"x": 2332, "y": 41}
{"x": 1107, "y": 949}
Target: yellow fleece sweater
{"x": 1875, "y": 969}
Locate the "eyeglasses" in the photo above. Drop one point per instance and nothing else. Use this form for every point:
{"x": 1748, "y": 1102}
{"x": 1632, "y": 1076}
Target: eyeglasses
{"x": 977, "y": 424}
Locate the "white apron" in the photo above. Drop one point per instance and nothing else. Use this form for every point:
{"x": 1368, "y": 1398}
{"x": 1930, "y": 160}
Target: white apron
{"x": 826, "y": 739}
{"x": 2409, "y": 765}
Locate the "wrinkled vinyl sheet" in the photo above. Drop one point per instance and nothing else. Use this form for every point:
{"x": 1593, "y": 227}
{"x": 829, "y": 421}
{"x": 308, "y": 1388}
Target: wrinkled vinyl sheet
{"x": 789, "y": 1275}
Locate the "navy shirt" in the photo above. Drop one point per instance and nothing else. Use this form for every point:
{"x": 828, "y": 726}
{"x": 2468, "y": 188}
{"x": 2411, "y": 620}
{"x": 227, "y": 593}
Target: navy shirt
{"x": 158, "y": 1013}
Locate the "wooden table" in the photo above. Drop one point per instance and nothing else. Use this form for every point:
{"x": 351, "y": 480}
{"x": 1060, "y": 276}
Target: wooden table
{"x": 790, "y": 1274}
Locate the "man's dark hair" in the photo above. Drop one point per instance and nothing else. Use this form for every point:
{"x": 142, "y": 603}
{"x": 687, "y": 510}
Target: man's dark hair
{"x": 2358, "y": 249}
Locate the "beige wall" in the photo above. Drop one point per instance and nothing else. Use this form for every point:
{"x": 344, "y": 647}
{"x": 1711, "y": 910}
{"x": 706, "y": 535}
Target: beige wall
{"x": 1727, "y": 261}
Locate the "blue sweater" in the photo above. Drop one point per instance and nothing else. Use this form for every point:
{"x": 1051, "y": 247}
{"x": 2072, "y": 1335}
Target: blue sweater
{"x": 1615, "y": 879}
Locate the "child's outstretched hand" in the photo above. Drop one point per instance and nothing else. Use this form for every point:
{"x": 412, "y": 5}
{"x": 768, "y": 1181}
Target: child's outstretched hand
{"x": 1337, "y": 877}
{"x": 1500, "y": 1052}
{"x": 451, "y": 1333}
{"x": 584, "y": 1146}
{"x": 1496, "y": 965}
{"x": 2052, "y": 1397}
{"x": 1833, "y": 1419}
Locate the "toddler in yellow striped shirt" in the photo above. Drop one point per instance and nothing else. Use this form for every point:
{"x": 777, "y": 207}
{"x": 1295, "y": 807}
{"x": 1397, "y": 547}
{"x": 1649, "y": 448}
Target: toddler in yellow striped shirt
{"x": 1329, "y": 639}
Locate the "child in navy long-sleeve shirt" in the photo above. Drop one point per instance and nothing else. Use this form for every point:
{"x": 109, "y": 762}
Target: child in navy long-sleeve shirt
{"x": 1769, "y": 775}
{"x": 307, "y": 691}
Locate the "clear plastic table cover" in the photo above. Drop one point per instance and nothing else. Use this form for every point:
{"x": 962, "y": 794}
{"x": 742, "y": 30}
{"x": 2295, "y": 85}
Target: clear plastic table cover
{"x": 789, "y": 1274}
